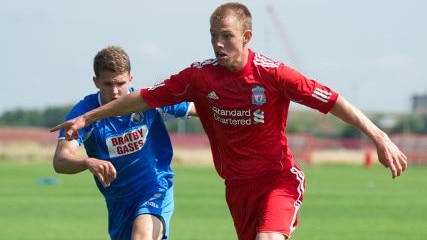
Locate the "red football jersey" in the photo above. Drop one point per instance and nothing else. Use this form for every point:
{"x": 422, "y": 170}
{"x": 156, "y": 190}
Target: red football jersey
{"x": 243, "y": 113}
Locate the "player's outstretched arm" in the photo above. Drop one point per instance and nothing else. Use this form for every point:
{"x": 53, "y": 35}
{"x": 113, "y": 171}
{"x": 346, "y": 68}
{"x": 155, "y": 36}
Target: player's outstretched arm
{"x": 130, "y": 103}
{"x": 389, "y": 154}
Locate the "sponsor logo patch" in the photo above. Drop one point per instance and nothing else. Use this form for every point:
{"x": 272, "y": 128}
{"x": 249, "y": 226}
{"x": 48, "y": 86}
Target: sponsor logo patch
{"x": 128, "y": 142}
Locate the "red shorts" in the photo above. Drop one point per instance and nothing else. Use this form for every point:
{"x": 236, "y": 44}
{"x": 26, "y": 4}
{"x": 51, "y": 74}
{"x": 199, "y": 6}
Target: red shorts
{"x": 267, "y": 204}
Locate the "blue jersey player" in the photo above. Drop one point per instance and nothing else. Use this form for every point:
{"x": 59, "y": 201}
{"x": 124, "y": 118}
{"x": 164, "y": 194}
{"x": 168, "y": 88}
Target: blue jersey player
{"x": 129, "y": 155}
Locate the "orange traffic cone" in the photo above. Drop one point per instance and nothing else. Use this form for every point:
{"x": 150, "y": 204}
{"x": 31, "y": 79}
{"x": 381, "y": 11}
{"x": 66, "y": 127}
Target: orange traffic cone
{"x": 369, "y": 161}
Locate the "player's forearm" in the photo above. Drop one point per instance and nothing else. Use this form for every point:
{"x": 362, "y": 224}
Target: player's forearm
{"x": 67, "y": 164}
{"x": 353, "y": 116}
{"x": 130, "y": 103}
{"x": 192, "y": 111}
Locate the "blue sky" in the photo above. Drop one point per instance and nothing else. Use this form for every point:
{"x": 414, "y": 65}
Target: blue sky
{"x": 372, "y": 51}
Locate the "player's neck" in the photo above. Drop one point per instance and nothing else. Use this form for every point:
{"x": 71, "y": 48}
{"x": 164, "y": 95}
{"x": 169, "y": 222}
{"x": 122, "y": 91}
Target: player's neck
{"x": 240, "y": 63}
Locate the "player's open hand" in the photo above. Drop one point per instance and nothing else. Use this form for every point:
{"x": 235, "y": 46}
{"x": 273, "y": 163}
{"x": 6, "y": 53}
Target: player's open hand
{"x": 391, "y": 157}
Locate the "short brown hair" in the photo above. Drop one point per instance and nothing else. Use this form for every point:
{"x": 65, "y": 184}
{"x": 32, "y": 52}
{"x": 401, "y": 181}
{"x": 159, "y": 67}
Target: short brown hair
{"x": 240, "y": 11}
{"x": 113, "y": 59}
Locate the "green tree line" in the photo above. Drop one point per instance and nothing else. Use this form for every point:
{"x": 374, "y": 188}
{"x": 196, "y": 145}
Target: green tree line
{"x": 299, "y": 121}
{"x": 51, "y": 116}
{"x": 44, "y": 118}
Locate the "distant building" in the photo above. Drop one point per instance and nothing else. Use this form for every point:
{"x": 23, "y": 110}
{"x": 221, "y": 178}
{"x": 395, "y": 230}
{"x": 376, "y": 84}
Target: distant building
{"x": 419, "y": 107}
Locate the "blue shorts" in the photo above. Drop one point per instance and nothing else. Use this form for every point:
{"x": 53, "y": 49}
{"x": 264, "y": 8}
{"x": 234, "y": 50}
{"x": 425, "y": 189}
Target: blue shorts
{"x": 122, "y": 215}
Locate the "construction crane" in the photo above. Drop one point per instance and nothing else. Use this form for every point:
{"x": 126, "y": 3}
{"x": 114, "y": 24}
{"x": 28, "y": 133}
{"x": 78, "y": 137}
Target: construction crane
{"x": 283, "y": 36}
{"x": 292, "y": 57}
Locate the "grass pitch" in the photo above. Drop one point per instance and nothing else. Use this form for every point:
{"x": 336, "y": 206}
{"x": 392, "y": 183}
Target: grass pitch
{"x": 342, "y": 202}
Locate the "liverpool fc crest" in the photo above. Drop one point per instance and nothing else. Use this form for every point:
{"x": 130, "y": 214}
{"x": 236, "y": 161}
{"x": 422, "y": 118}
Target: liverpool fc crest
{"x": 258, "y": 95}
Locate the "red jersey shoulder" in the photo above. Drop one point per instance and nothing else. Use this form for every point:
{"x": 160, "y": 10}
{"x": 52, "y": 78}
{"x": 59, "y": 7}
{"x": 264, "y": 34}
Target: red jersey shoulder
{"x": 267, "y": 68}
{"x": 207, "y": 62}
{"x": 266, "y": 62}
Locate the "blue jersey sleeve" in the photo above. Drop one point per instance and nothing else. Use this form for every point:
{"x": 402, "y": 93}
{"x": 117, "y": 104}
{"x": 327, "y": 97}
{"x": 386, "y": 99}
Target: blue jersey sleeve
{"x": 86, "y": 104}
{"x": 178, "y": 110}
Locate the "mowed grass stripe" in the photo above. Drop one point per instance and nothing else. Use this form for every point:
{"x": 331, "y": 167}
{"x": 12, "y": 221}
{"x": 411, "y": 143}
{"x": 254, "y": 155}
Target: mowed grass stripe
{"x": 342, "y": 202}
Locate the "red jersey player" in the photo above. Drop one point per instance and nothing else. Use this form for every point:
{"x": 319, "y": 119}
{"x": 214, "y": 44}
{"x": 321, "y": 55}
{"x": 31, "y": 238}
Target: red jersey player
{"x": 242, "y": 99}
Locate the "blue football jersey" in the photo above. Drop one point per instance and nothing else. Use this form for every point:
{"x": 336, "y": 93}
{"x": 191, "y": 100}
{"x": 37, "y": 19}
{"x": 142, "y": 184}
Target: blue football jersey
{"x": 138, "y": 145}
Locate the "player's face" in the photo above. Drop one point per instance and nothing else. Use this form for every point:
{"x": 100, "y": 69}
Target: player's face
{"x": 112, "y": 85}
{"x": 229, "y": 43}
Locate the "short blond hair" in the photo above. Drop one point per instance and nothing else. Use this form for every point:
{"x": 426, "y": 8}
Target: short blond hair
{"x": 240, "y": 11}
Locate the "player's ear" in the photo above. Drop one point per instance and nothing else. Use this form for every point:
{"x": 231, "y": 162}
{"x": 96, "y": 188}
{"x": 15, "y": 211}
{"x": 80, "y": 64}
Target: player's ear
{"x": 95, "y": 81}
{"x": 247, "y": 36}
